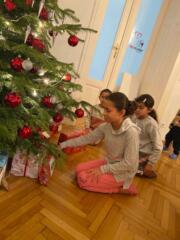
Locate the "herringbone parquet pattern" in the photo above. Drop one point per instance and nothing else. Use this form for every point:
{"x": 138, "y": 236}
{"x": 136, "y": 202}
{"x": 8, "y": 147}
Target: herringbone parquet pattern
{"x": 62, "y": 211}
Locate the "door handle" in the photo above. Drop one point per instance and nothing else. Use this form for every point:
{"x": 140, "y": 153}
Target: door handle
{"x": 116, "y": 49}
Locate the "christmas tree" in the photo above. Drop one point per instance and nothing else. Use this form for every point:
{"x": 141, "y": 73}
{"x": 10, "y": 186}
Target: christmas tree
{"x": 35, "y": 88}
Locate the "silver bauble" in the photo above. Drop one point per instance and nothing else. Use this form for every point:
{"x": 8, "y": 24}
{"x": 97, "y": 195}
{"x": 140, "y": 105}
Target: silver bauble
{"x": 27, "y": 65}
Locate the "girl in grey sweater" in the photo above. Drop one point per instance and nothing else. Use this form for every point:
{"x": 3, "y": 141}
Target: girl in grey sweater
{"x": 150, "y": 147}
{"x": 115, "y": 172}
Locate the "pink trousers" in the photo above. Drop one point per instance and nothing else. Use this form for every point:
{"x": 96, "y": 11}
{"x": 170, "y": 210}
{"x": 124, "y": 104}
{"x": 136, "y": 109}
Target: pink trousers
{"x": 104, "y": 183}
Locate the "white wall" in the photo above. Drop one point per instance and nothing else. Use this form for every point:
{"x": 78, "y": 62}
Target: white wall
{"x": 61, "y": 49}
{"x": 164, "y": 54}
{"x": 170, "y": 101}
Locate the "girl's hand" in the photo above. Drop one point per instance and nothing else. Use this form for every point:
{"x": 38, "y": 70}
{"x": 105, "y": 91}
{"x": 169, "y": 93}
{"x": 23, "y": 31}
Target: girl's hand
{"x": 94, "y": 173}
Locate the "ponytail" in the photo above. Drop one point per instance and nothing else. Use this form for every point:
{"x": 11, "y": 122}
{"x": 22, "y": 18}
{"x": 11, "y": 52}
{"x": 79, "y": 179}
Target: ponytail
{"x": 153, "y": 114}
{"x": 131, "y": 108}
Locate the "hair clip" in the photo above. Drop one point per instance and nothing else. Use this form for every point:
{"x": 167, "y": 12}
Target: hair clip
{"x": 144, "y": 100}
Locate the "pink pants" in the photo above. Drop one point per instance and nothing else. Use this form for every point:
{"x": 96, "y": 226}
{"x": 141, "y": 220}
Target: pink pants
{"x": 106, "y": 183}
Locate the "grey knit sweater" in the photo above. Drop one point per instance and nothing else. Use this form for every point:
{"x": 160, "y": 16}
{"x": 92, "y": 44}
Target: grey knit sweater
{"x": 122, "y": 147}
{"x": 150, "y": 138}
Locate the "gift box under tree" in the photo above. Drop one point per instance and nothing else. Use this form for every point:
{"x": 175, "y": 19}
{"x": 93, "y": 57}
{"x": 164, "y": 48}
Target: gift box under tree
{"x": 28, "y": 165}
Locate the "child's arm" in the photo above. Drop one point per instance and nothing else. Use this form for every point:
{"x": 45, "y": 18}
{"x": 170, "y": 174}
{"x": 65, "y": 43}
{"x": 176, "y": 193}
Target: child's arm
{"x": 95, "y": 122}
{"x": 157, "y": 145}
{"x": 91, "y": 138}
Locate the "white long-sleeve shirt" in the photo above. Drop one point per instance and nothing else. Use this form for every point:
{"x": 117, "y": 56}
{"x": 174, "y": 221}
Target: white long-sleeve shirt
{"x": 150, "y": 138}
{"x": 122, "y": 147}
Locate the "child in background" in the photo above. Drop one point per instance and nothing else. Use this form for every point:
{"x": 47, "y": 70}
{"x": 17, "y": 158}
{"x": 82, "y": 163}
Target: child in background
{"x": 114, "y": 173}
{"x": 173, "y": 136}
{"x": 150, "y": 147}
{"x": 96, "y": 116}
{"x": 174, "y": 121}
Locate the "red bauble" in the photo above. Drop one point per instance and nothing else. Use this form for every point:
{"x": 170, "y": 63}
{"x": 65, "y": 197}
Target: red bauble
{"x": 29, "y": 40}
{"x": 79, "y": 113}
{"x": 54, "y": 128}
{"x": 38, "y": 44}
{"x": 73, "y": 40}
{"x": 16, "y": 64}
{"x": 47, "y": 101}
{"x": 12, "y": 99}
{"x": 25, "y": 132}
{"x": 62, "y": 138}
{"x": 58, "y": 118}
{"x": 9, "y": 5}
{"x": 44, "y": 14}
{"x": 67, "y": 77}
{"x": 29, "y": 2}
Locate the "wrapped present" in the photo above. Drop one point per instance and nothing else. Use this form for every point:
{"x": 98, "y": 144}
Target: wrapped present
{"x": 64, "y": 137}
{"x": 24, "y": 164}
{"x": 3, "y": 164}
{"x": 46, "y": 170}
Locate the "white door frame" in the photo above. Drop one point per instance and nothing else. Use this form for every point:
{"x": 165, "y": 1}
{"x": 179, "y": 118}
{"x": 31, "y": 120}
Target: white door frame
{"x": 118, "y": 50}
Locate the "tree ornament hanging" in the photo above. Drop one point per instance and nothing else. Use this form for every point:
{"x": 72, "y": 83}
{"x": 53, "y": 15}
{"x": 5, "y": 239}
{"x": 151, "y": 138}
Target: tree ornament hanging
{"x": 9, "y": 5}
{"x": 29, "y": 40}
{"x": 29, "y": 2}
{"x": 73, "y": 40}
{"x": 25, "y": 132}
{"x": 12, "y": 99}
{"x": 58, "y": 118}
{"x": 47, "y": 101}
{"x": 79, "y": 112}
{"x": 28, "y": 31}
{"x": 27, "y": 65}
{"x": 62, "y": 138}
{"x": 67, "y": 77}
{"x": 38, "y": 45}
{"x": 44, "y": 14}
{"x": 16, "y": 64}
{"x": 54, "y": 127}
{"x": 41, "y": 5}
{"x": 59, "y": 106}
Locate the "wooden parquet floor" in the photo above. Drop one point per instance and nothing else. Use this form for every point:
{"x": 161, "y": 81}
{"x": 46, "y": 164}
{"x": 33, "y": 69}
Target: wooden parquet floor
{"x": 62, "y": 211}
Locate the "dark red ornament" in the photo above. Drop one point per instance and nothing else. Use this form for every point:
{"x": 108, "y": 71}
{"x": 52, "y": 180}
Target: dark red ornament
{"x": 25, "y": 132}
{"x": 16, "y": 64}
{"x": 73, "y": 40}
{"x": 12, "y": 99}
{"x": 44, "y": 14}
{"x": 67, "y": 77}
{"x": 58, "y": 118}
{"x": 29, "y": 40}
{"x": 29, "y": 2}
{"x": 47, "y": 101}
{"x": 62, "y": 138}
{"x": 79, "y": 113}
{"x": 38, "y": 44}
{"x": 54, "y": 128}
{"x": 10, "y": 5}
